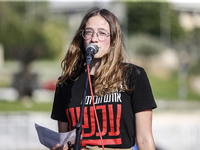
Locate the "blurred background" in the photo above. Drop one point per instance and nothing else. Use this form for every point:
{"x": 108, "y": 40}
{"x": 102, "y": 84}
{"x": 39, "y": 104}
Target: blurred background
{"x": 161, "y": 36}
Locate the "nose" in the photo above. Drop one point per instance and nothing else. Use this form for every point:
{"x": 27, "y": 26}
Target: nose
{"x": 94, "y": 37}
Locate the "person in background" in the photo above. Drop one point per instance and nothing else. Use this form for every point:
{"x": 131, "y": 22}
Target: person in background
{"x": 122, "y": 92}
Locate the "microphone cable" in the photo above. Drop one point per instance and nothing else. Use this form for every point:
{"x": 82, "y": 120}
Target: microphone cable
{"x": 90, "y": 83}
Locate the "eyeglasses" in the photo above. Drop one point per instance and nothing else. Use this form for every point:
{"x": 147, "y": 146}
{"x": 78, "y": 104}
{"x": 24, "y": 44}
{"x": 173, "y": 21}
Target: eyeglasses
{"x": 89, "y": 33}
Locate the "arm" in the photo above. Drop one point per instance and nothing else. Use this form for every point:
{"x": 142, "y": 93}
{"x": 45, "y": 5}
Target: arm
{"x": 62, "y": 127}
{"x": 144, "y": 136}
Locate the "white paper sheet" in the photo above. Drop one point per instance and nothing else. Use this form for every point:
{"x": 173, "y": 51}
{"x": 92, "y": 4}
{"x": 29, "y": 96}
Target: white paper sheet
{"x": 50, "y": 138}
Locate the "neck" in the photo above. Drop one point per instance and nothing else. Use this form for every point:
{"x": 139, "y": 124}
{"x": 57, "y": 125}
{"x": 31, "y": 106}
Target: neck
{"x": 95, "y": 66}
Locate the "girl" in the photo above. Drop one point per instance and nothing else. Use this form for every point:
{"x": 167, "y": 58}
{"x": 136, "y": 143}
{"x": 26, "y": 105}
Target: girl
{"x": 122, "y": 93}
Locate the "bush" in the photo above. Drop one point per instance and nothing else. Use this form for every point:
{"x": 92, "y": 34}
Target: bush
{"x": 144, "y": 45}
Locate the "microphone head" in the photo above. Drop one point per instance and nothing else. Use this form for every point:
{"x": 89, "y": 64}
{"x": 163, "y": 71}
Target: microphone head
{"x": 94, "y": 47}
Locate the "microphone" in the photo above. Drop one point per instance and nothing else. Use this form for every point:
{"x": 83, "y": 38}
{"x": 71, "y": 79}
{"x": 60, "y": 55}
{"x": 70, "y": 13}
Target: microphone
{"x": 91, "y": 49}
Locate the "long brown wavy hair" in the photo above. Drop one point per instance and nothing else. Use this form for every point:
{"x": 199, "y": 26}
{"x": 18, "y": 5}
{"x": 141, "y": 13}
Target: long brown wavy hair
{"x": 112, "y": 71}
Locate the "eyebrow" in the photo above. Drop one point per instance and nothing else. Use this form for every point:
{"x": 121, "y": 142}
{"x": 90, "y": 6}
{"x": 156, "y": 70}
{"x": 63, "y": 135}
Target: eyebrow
{"x": 98, "y": 29}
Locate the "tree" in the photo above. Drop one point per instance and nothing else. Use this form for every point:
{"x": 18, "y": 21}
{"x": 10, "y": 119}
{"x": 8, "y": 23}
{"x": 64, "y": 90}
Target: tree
{"x": 145, "y": 17}
{"x": 27, "y": 32}
{"x": 24, "y": 25}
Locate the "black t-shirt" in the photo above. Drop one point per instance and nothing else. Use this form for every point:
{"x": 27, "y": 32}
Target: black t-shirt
{"x": 116, "y": 111}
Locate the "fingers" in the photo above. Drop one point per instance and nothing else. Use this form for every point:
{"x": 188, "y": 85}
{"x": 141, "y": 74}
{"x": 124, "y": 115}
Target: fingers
{"x": 55, "y": 147}
{"x": 65, "y": 147}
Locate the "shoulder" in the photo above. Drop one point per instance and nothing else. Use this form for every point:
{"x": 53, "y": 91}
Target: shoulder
{"x": 134, "y": 69}
{"x": 70, "y": 80}
{"x": 63, "y": 82}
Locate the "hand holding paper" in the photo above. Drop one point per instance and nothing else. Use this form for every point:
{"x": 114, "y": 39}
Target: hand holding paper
{"x": 50, "y": 138}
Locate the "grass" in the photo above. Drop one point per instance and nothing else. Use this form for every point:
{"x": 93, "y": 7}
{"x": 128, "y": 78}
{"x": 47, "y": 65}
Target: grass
{"x": 168, "y": 88}
{"x": 163, "y": 88}
{"x": 24, "y": 106}
{"x": 46, "y": 70}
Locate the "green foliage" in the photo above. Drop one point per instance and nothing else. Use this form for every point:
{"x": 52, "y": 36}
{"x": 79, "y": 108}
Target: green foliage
{"x": 54, "y": 37}
{"x": 146, "y": 17}
{"x": 193, "y": 47}
{"x": 194, "y": 69}
{"x": 190, "y": 44}
{"x": 25, "y": 25}
{"x": 144, "y": 45}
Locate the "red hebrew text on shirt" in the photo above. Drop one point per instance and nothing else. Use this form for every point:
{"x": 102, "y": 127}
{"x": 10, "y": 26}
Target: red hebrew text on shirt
{"x": 110, "y": 124}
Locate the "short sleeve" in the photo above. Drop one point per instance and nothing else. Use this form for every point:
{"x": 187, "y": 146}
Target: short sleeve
{"x": 142, "y": 96}
{"x": 59, "y": 106}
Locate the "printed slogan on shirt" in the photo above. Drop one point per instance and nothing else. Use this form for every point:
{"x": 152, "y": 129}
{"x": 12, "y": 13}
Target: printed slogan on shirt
{"x": 110, "y": 115}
